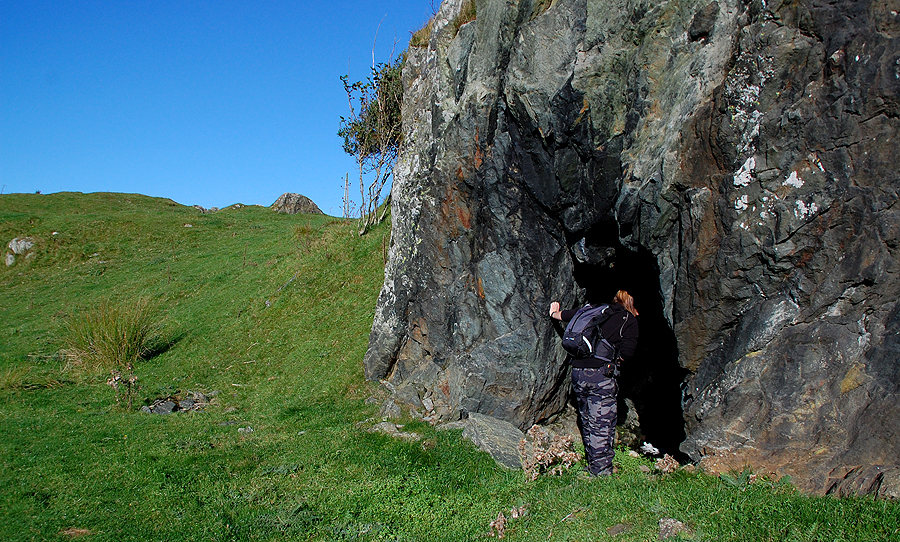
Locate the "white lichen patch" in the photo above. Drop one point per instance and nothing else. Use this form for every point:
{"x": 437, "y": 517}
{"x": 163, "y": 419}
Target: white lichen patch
{"x": 741, "y": 203}
{"x": 744, "y": 176}
{"x": 793, "y": 180}
{"x": 803, "y": 210}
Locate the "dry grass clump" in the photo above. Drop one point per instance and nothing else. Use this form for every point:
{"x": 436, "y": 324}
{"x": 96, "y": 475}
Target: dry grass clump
{"x": 112, "y": 336}
{"x": 666, "y": 464}
{"x": 467, "y": 14}
{"x": 421, "y": 36}
{"x": 498, "y": 526}
{"x": 542, "y": 453}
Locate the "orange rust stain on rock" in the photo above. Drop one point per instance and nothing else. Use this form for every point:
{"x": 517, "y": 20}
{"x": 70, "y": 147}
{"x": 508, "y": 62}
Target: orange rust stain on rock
{"x": 465, "y": 218}
{"x": 455, "y": 213}
{"x": 479, "y": 287}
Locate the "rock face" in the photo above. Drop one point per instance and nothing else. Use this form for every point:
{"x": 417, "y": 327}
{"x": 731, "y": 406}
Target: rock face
{"x": 293, "y": 204}
{"x": 729, "y": 163}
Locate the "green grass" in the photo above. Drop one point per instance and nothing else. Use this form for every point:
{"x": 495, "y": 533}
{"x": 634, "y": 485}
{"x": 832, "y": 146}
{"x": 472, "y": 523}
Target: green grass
{"x": 74, "y": 461}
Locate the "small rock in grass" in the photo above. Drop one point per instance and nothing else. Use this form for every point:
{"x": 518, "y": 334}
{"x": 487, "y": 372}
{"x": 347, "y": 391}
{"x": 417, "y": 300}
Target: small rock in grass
{"x": 669, "y": 527}
{"x": 21, "y": 245}
{"x": 165, "y": 407}
{"x": 390, "y": 410}
{"x": 393, "y": 430}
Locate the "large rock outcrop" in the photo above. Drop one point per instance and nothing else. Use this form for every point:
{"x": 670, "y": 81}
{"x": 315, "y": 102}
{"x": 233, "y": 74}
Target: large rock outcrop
{"x": 730, "y": 163}
{"x": 293, "y": 204}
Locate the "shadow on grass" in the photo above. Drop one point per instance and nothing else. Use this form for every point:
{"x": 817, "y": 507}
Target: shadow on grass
{"x": 162, "y": 346}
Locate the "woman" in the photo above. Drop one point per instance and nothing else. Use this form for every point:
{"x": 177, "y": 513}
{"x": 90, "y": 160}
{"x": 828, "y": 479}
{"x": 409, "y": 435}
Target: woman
{"x": 594, "y": 391}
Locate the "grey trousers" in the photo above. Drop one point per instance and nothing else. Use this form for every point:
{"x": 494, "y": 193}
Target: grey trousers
{"x": 596, "y": 397}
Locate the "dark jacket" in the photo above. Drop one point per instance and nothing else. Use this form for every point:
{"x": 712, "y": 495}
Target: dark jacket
{"x": 621, "y": 330}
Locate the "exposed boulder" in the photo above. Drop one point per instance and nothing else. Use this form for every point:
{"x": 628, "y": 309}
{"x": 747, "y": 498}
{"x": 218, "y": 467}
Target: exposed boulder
{"x": 729, "y": 163}
{"x": 204, "y": 210}
{"x": 293, "y": 204}
{"x": 20, "y": 246}
{"x": 497, "y": 437}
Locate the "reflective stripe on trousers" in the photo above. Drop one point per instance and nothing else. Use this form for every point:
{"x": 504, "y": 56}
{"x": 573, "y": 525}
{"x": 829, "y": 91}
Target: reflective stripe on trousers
{"x": 596, "y": 397}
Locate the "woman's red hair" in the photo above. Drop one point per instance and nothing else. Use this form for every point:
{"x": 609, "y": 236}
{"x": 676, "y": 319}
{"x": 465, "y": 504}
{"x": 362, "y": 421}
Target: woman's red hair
{"x": 624, "y": 298}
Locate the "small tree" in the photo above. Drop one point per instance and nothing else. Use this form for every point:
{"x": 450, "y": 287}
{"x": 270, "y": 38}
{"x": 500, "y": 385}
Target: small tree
{"x": 373, "y": 134}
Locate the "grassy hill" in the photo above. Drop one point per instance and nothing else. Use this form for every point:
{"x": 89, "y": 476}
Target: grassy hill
{"x": 269, "y": 315}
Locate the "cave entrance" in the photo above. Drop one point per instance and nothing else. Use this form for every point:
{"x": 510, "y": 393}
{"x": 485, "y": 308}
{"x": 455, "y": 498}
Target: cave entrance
{"x": 653, "y": 380}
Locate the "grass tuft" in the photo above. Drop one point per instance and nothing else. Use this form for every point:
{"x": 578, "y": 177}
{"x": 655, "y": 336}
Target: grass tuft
{"x": 113, "y": 336}
{"x": 467, "y": 14}
{"x": 15, "y": 377}
{"x": 421, "y": 36}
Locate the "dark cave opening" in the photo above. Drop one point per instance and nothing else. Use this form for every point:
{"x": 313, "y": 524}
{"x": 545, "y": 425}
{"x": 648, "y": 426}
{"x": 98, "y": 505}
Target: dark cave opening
{"x": 653, "y": 379}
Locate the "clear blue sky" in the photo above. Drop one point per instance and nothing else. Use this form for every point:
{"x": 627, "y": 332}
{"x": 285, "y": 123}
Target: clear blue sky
{"x": 207, "y": 103}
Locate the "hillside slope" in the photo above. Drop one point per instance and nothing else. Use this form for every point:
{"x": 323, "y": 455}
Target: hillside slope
{"x": 268, "y": 316}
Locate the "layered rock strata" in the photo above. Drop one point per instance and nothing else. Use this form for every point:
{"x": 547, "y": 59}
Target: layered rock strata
{"x": 731, "y": 163}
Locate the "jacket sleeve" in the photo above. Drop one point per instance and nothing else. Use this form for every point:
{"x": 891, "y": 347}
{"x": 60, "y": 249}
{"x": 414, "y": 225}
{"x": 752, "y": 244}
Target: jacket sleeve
{"x": 567, "y": 315}
{"x": 629, "y": 338}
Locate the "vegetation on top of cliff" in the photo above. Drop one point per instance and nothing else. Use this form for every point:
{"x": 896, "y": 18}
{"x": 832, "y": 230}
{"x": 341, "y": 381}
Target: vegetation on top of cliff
{"x": 421, "y": 36}
{"x": 273, "y": 313}
{"x": 467, "y": 14}
{"x": 373, "y": 134}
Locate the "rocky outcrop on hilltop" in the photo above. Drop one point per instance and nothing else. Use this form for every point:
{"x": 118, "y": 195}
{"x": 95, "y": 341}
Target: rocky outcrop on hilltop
{"x": 730, "y": 163}
{"x": 293, "y": 204}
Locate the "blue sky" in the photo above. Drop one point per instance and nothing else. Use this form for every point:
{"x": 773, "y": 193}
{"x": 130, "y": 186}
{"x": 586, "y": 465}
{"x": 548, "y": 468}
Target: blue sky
{"x": 206, "y": 103}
